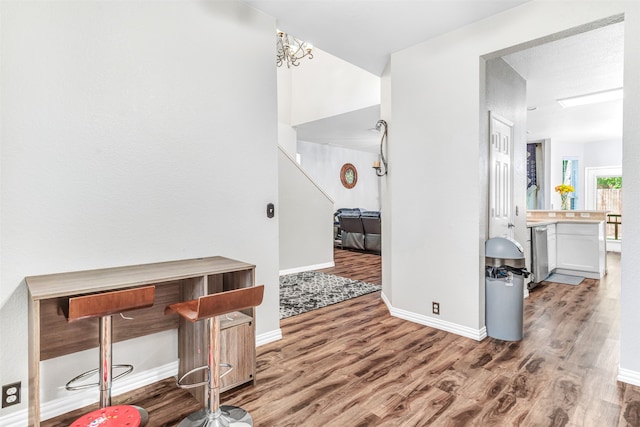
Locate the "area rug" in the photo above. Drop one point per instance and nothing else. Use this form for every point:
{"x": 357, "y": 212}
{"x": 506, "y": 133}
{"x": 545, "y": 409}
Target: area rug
{"x": 310, "y": 290}
{"x": 565, "y": 279}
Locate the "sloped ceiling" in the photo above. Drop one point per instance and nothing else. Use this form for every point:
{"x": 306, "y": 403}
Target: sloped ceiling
{"x": 365, "y": 33}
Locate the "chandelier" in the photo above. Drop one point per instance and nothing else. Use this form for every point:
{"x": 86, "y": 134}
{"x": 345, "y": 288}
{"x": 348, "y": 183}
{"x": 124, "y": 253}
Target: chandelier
{"x": 290, "y": 50}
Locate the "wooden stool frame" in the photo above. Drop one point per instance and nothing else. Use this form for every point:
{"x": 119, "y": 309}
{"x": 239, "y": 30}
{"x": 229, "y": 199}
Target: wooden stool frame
{"x": 103, "y": 305}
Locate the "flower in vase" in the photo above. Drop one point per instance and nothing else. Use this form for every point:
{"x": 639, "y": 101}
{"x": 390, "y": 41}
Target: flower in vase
{"x": 564, "y": 190}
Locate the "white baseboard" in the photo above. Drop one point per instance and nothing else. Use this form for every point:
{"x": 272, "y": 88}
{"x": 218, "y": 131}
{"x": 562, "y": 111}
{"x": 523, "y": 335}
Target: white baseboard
{"x": 17, "y": 419}
{"x": 307, "y": 268}
{"x": 268, "y": 337}
{"x": 82, "y": 398}
{"x": 628, "y": 376}
{"x": 465, "y": 331}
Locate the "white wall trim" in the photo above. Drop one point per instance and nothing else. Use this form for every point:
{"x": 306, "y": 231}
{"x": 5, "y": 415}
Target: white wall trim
{"x": 465, "y": 331}
{"x": 307, "y": 268}
{"x": 17, "y": 419}
{"x": 82, "y": 398}
{"x": 628, "y": 376}
{"x": 268, "y": 337}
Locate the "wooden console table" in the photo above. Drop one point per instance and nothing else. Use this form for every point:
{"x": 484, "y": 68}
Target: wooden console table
{"x": 51, "y": 336}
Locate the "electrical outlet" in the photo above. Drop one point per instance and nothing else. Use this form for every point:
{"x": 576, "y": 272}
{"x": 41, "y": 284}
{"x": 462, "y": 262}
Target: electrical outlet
{"x": 435, "y": 307}
{"x": 11, "y": 394}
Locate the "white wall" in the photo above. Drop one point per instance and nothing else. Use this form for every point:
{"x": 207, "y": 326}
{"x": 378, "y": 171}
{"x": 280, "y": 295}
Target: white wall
{"x": 326, "y": 86}
{"x": 287, "y": 137}
{"x": 630, "y": 294}
{"x": 306, "y": 220}
{"x": 604, "y": 153}
{"x": 434, "y": 144}
{"x": 323, "y": 164}
{"x": 593, "y": 154}
{"x": 506, "y": 96}
{"x": 132, "y": 132}
{"x": 386, "y": 197}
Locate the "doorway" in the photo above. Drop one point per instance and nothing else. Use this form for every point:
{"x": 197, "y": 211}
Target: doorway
{"x": 574, "y": 137}
{"x": 603, "y": 191}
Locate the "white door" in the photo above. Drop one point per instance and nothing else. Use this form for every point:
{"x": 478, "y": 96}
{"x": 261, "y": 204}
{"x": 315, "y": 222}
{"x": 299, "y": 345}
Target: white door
{"x": 500, "y": 177}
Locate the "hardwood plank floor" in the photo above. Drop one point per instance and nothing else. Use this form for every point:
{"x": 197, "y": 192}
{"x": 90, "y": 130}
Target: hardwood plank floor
{"x": 366, "y": 267}
{"x": 352, "y": 364}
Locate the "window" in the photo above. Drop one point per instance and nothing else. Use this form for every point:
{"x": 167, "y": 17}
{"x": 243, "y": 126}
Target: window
{"x": 609, "y": 198}
{"x": 570, "y": 177}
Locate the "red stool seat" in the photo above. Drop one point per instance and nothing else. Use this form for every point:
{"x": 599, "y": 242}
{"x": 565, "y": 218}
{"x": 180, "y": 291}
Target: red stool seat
{"x": 111, "y": 416}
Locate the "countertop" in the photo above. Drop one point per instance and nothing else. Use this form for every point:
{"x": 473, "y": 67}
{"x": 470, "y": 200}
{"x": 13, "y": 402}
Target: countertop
{"x": 542, "y": 222}
{"x": 537, "y": 218}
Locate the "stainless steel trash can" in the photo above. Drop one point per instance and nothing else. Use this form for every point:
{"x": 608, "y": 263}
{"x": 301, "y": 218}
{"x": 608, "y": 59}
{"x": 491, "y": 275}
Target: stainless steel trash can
{"x": 504, "y": 289}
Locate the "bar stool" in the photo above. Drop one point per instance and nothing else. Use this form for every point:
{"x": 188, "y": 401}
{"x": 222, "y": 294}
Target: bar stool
{"x": 103, "y": 305}
{"x": 209, "y": 307}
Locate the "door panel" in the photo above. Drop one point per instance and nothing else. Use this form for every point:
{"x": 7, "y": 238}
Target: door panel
{"x": 501, "y": 178}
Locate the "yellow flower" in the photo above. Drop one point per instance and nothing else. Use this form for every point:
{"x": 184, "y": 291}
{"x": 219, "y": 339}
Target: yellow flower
{"x": 564, "y": 189}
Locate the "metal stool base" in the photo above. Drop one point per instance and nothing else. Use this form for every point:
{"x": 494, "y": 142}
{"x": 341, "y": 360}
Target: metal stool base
{"x": 144, "y": 415}
{"x": 228, "y": 416}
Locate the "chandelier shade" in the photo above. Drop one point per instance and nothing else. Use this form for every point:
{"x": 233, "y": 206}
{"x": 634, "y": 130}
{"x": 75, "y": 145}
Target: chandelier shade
{"x": 290, "y": 50}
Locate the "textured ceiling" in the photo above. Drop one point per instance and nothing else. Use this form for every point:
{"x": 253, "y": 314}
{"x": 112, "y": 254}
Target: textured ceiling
{"x": 585, "y": 63}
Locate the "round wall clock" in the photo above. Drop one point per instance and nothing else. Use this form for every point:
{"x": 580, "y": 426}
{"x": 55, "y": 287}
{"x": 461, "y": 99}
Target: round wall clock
{"x": 348, "y": 175}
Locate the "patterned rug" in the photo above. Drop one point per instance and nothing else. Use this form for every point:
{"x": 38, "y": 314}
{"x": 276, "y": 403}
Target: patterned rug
{"x": 309, "y": 290}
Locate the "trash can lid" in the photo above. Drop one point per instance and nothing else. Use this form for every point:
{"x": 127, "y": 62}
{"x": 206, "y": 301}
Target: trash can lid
{"x": 504, "y": 248}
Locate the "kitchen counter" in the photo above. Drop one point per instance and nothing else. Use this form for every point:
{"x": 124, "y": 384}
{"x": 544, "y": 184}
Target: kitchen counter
{"x": 574, "y": 243}
{"x": 540, "y": 217}
{"x": 542, "y": 222}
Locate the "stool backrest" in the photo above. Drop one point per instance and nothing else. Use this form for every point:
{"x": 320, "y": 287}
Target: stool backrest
{"x": 107, "y": 303}
{"x": 219, "y": 303}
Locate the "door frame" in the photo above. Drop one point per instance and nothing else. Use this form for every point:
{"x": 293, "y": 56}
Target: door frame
{"x": 590, "y": 176}
{"x": 510, "y": 208}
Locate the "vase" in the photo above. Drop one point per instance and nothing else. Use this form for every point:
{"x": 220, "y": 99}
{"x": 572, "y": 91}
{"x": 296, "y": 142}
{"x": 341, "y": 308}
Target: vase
{"x": 564, "y": 205}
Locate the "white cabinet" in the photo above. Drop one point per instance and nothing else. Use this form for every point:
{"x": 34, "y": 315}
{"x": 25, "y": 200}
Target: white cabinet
{"x": 552, "y": 248}
{"x": 581, "y": 249}
{"x": 527, "y": 259}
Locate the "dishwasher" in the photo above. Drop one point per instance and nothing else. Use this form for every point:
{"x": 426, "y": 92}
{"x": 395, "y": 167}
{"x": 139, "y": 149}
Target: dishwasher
{"x": 540, "y": 254}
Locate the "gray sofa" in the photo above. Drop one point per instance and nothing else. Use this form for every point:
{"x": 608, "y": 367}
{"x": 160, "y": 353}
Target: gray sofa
{"x": 359, "y": 229}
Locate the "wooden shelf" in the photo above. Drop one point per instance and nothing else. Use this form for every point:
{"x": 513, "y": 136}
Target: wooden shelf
{"x": 82, "y": 282}
{"x": 175, "y": 281}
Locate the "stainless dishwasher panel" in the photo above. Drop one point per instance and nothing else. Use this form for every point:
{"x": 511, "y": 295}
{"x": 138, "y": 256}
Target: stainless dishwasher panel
{"x": 540, "y": 253}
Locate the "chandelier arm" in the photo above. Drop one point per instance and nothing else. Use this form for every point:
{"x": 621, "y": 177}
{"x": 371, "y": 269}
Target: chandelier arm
{"x": 290, "y": 50}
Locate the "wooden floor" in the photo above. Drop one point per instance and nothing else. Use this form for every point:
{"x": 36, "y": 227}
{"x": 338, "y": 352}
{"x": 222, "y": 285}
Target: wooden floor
{"x": 366, "y": 267}
{"x": 352, "y": 364}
